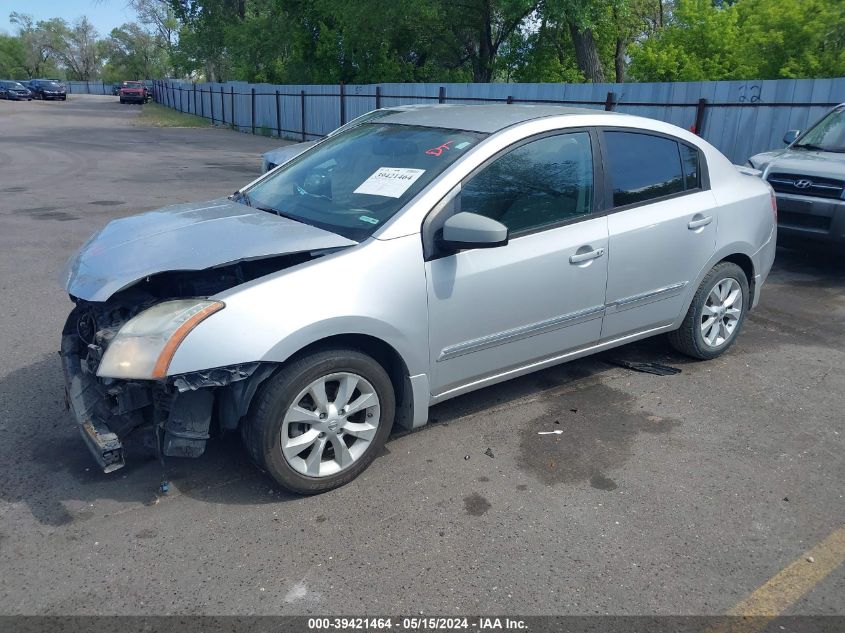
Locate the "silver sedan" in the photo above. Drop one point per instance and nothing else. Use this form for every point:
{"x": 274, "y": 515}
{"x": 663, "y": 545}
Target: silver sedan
{"x": 405, "y": 261}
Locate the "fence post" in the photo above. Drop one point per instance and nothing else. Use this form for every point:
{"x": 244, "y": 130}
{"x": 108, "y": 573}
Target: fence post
{"x": 211, "y": 102}
{"x": 378, "y": 97}
{"x": 87, "y": 87}
{"x": 609, "y": 102}
{"x": 302, "y": 111}
{"x": 232, "y": 104}
{"x": 202, "y": 103}
{"x": 699, "y": 116}
{"x": 510, "y": 99}
{"x": 194, "y": 86}
{"x": 278, "y": 116}
{"x": 181, "y": 101}
{"x": 441, "y": 98}
{"x": 222, "y": 107}
{"x": 342, "y": 103}
{"x": 252, "y": 111}
{"x": 103, "y": 89}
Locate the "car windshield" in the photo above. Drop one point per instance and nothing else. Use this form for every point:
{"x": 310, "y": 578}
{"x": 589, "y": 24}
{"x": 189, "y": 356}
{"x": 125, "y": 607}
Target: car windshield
{"x": 50, "y": 85}
{"x": 354, "y": 182}
{"x": 132, "y": 84}
{"x": 827, "y": 135}
{"x": 15, "y": 85}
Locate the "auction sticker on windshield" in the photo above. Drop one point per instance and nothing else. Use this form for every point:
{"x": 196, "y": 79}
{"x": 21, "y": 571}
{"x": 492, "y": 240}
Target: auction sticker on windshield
{"x": 390, "y": 181}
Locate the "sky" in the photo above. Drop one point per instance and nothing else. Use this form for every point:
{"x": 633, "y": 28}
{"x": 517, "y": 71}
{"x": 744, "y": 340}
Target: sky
{"x": 104, "y": 14}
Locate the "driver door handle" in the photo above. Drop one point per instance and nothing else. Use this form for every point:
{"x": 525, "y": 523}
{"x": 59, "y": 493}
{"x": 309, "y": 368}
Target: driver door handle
{"x": 583, "y": 257}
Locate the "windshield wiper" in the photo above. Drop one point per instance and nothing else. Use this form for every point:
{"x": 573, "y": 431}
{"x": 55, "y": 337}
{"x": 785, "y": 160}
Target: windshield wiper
{"x": 811, "y": 147}
{"x": 243, "y": 198}
{"x": 281, "y": 214}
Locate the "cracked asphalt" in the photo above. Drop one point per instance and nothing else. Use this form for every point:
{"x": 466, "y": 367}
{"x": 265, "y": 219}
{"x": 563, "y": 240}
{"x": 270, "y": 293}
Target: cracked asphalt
{"x": 661, "y": 495}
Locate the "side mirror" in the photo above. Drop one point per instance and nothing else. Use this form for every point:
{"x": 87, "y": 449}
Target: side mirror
{"x": 790, "y": 136}
{"x": 470, "y": 230}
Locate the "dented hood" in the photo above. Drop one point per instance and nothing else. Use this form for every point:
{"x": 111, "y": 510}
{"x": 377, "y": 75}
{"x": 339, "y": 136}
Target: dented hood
{"x": 185, "y": 237}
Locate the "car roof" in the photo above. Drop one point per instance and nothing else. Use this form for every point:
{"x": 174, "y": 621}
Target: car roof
{"x": 481, "y": 118}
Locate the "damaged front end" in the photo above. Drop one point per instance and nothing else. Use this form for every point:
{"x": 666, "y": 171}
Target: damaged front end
{"x": 176, "y": 414}
{"x": 139, "y": 286}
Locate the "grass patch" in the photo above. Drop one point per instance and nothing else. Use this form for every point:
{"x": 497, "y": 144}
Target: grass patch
{"x": 155, "y": 115}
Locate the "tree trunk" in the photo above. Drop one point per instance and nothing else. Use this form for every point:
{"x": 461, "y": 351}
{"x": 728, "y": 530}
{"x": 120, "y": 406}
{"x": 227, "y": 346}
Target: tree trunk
{"x": 586, "y": 54}
{"x": 619, "y": 60}
{"x": 483, "y": 71}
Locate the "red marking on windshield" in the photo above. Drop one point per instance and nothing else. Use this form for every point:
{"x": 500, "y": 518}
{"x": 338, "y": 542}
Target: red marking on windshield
{"x": 437, "y": 151}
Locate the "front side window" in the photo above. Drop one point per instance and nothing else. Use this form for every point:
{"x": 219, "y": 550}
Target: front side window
{"x": 355, "y": 181}
{"x": 541, "y": 183}
{"x": 643, "y": 167}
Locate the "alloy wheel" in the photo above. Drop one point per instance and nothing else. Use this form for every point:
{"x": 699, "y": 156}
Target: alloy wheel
{"x": 721, "y": 312}
{"x": 330, "y": 424}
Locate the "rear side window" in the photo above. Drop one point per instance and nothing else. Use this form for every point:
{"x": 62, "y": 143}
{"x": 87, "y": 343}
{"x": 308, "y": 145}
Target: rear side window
{"x": 643, "y": 167}
{"x": 538, "y": 184}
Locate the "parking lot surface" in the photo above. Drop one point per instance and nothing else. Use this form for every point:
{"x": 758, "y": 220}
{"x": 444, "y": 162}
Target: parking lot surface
{"x": 662, "y": 495}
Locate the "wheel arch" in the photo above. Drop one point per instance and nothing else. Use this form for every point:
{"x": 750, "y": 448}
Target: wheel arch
{"x": 380, "y": 351}
{"x": 411, "y": 393}
{"x": 739, "y": 254}
{"x": 747, "y": 265}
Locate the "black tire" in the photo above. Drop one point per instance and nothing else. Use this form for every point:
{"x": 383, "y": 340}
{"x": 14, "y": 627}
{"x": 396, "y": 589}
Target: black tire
{"x": 122, "y": 101}
{"x": 262, "y": 429}
{"x": 689, "y": 338}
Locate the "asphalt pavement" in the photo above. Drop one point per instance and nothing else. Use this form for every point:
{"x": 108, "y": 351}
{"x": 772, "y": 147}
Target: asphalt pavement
{"x": 662, "y": 495}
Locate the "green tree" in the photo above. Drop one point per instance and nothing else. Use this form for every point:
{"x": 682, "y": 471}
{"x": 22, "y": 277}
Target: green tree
{"x": 76, "y": 47}
{"x": 38, "y": 59}
{"x": 701, "y": 42}
{"x": 12, "y": 57}
{"x": 793, "y": 38}
{"x": 133, "y": 53}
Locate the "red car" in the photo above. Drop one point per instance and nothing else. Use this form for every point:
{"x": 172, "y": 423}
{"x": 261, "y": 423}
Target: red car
{"x": 133, "y": 92}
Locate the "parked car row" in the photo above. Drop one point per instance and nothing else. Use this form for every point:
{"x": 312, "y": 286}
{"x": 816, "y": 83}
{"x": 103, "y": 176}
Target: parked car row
{"x": 33, "y": 89}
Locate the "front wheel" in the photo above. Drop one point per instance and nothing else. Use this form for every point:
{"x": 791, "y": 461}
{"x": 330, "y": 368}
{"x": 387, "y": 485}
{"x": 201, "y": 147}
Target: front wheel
{"x": 715, "y": 315}
{"x": 321, "y": 420}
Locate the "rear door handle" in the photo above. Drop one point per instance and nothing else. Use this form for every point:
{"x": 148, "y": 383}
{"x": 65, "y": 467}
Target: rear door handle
{"x": 697, "y": 224}
{"x": 583, "y": 257}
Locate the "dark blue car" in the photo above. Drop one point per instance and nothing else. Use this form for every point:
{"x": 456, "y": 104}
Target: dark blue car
{"x": 15, "y": 91}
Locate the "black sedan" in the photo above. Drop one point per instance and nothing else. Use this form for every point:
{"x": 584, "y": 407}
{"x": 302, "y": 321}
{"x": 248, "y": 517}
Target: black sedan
{"x": 47, "y": 89}
{"x": 14, "y": 91}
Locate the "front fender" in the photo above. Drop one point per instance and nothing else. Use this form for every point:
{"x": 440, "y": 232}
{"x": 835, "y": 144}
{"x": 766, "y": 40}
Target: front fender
{"x": 376, "y": 289}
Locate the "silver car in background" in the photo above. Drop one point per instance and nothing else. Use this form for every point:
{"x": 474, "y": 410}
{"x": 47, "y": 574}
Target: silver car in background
{"x": 401, "y": 263}
{"x": 808, "y": 177}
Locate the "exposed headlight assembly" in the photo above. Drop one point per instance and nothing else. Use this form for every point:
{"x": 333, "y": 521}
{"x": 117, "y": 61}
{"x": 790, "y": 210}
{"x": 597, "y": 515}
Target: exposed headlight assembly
{"x": 145, "y": 345}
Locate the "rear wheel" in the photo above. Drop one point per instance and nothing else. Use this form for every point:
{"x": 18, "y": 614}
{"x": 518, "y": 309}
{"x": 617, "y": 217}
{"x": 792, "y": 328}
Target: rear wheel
{"x": 715, "y": 315}
{"x": 321, "y": 420}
